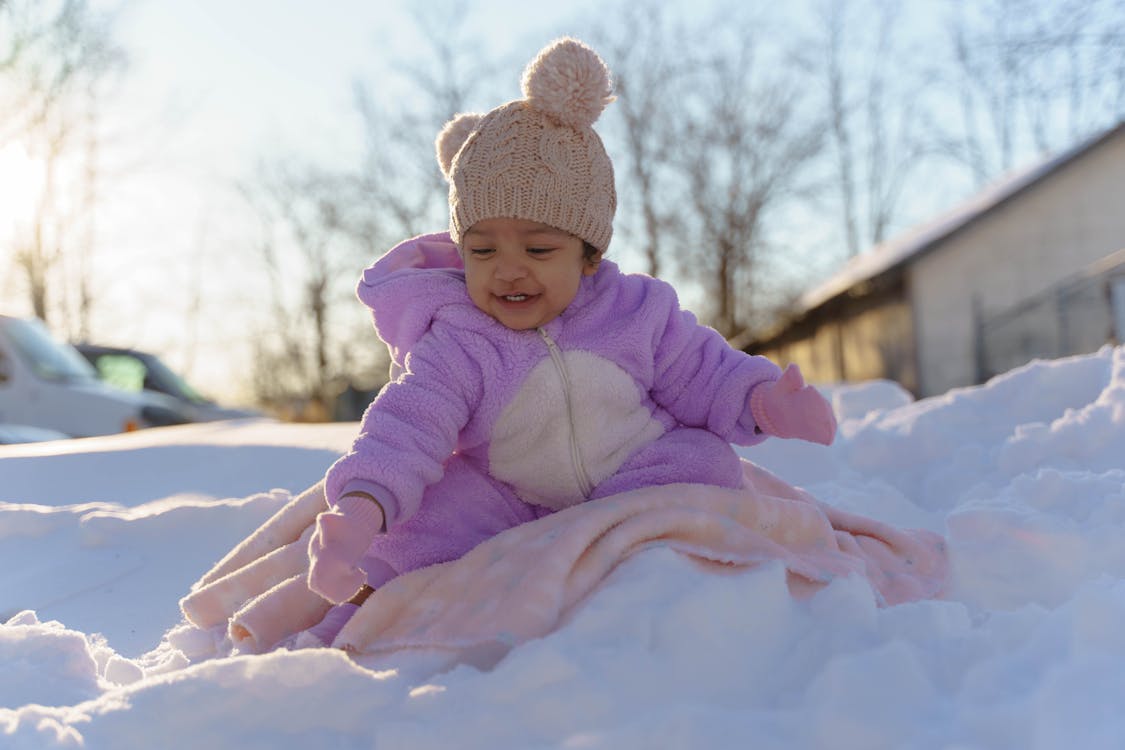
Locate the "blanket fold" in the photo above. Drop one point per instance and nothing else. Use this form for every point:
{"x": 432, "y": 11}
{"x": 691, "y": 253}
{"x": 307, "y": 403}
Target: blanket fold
{"x": 525, "y": 582}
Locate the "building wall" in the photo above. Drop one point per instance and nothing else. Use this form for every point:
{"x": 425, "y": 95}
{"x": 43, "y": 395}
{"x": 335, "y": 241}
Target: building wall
{"x": 863, "y": 340}
{"x": 1075, "y": 317}
{"x": 1035, "y": 240}
{"x": 878, "y": 343}
{"x": 816, "y": 355}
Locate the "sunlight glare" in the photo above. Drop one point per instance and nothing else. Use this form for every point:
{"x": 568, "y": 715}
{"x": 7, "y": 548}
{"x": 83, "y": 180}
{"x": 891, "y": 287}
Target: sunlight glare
{"x": 21, "y": 182}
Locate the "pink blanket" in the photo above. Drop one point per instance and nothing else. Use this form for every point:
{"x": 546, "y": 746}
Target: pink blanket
{"x": 523, "y": 583}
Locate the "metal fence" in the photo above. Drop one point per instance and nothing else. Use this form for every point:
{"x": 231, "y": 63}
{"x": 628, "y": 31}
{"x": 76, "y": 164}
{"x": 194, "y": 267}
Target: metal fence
{"x": 1076, "y": 316}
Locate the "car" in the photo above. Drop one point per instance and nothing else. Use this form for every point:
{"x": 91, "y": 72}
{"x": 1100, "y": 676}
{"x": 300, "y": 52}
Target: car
{"x": 136, "y": 371}
{"x": 45, "y": 383}
{"x": 13, "y": 434}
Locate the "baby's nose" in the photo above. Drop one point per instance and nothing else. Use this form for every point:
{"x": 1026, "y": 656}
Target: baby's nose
{"x": 510, "y": 270}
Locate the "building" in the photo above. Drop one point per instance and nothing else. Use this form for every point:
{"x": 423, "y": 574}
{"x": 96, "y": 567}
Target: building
{"x": 1032, "y": 267}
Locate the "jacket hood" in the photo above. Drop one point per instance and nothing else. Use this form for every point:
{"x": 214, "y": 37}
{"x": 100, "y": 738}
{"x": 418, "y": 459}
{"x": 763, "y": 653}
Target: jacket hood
{"x": 407, "y": 287}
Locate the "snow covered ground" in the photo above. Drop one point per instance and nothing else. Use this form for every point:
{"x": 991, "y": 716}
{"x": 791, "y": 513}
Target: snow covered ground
{"x": 1026, "y": 476}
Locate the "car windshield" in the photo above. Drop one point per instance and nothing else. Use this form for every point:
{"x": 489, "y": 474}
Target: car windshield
{"x": 49, "y": 359}
{"x": 172, "y": 383}
{"x": 181, "y": 386}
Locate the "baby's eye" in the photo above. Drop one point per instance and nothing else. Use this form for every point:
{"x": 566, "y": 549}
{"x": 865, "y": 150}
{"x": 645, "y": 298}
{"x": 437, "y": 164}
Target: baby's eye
{"x": 480, "y": 252}
{"x": 539, "y": 250}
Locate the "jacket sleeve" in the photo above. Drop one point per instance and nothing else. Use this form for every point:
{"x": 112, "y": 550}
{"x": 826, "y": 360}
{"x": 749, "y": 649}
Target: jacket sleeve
{"x": 699, "y": 378}
{"x": 411, "y": 428}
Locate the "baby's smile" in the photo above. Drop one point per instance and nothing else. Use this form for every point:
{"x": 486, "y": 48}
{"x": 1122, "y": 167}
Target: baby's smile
{"x": 514, "y": 297}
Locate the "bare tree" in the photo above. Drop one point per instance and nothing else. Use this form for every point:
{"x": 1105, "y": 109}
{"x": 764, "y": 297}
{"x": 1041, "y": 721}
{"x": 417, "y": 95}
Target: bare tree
{"x": 78, "y": 267}
{"x": 832, "y": 17}
{"x": 1031, "y": 76}
{"x": 320, "y": 227}
{"x": 874, "y": 130}
{"x": 745, "y": 142}
{"x": 58, "y": 59}
{"x": 649, "y": 68}
{"x": 310, "y": 258}
{"x": 399, "y": 171}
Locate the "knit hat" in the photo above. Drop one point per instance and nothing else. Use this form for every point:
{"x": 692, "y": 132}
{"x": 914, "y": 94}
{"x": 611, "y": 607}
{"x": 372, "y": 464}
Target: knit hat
{"x": 537, "y": 158}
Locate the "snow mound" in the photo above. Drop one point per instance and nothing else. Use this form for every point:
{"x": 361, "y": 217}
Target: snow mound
{"x": 1025, "y": 476}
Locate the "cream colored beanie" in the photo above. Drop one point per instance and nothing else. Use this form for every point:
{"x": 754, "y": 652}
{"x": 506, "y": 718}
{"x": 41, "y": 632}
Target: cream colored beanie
{"x": 537, "y": 158}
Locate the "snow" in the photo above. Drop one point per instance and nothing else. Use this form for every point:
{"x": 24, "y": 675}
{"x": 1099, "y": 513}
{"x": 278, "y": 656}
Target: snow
{"x": 1025, "y": 475}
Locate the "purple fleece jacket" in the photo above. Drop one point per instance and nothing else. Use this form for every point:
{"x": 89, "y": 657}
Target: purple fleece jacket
{"x": 622, "y": 390}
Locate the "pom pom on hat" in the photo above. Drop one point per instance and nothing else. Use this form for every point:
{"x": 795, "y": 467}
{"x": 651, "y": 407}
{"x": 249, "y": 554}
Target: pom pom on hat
{"x": 452, "y": 137}
{"x": 568, "y": 82}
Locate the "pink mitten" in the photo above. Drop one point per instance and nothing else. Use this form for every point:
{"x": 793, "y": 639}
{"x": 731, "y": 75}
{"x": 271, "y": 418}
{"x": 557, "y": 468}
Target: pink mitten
{"x": 788, "y": 408}
{"x": 343, "y": 534}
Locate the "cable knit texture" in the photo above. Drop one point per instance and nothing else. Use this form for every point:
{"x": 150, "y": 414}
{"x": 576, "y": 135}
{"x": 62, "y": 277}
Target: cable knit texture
{"x": 537, "y": 158}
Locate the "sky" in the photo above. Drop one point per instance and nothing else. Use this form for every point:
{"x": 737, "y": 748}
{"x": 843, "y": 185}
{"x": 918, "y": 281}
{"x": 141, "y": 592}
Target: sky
{"x": 256, "y": 76}
{"x": 1022, "y": 476}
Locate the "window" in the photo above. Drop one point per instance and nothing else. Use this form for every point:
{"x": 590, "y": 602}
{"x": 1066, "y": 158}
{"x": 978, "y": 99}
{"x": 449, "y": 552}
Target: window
{"x": 48, "y": 359}
{"x": 121, "y": 371}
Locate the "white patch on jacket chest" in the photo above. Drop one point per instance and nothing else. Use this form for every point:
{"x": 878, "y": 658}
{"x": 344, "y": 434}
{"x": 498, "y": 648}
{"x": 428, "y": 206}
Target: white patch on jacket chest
{"x": 531, "y": 441}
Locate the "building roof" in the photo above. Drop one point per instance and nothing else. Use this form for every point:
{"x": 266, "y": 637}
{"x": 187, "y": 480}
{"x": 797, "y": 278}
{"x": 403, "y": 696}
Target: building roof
{"x": 908, "y": 246}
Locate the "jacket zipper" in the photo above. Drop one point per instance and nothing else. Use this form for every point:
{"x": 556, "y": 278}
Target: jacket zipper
{"x": 584, "y": 484}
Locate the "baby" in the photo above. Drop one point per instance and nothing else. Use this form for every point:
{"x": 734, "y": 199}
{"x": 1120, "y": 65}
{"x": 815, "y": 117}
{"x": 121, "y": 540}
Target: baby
{"x": 529, "y": 373}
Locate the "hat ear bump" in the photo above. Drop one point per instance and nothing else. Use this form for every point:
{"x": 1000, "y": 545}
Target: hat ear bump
{"x": 452, "y": 137}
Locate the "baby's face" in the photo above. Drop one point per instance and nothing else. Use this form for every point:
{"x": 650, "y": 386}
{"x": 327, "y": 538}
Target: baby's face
{"x": 523, "y": 273}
